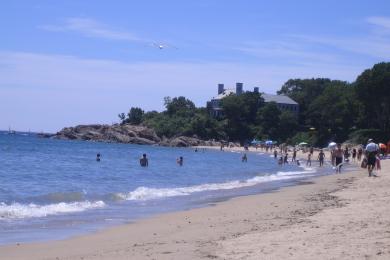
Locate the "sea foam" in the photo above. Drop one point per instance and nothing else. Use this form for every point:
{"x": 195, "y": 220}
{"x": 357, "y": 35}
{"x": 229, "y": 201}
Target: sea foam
{"x": 147, "y": 193}
{"x": 19, "y": 211}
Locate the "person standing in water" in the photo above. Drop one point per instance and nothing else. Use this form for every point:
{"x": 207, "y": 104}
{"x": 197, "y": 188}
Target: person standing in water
{"x": 98, "y": 157}
{"x": 180, "y": 161}
{"x": 308, "y": 162}
{"x": 275, "y": 154}
{"x": 144, "y": 162}
{"x": 285, "y": 158}
{"x": 321, "y": 157}
{"x": 294, "y": 156}
{"x": 244, "y": 158}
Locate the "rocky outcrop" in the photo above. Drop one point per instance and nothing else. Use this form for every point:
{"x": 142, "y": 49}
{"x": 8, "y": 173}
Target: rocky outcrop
{"x": 110, "y": 133}
{"x": 133, "y": 134}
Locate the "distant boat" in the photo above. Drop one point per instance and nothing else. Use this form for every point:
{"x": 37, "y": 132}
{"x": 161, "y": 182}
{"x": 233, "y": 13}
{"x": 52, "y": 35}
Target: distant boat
{"x": 11, "y": 132}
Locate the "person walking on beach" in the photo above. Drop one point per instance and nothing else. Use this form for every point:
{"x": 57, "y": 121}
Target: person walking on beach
{"x": 354, "y": 154}
{"x": 338, "y": 154}
{"x": 244, "y": 158}
{"x": 144, "y": 162}
{"x": 333, "y": 157}
{"x": 359, "y": 154}
{"x": 346, "y": 154}
{"x": 371, "y": 152}
{"x": 308, "y": 162}
{"x": 378, "y": 163}
{"x": 180, "y": 161}
{"x": 321, "y": 157}
{"x": 311, "y": 150}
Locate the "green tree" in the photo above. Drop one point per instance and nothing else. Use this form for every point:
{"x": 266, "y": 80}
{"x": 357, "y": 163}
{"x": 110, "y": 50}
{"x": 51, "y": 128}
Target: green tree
{"x": 288, "y": 125}
{"x": 268, "y": 118}
{"x": 333, "y": 113}
{"x": 122, "y": 117}
{"x": 240, "y": 114}
{"x": 373, "y": 91}
{"x": 180, "y": 106}
{"x": 135, "y": 115}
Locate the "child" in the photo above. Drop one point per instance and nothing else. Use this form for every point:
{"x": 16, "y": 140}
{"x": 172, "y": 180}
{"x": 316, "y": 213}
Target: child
{"x": 378, "y": 163}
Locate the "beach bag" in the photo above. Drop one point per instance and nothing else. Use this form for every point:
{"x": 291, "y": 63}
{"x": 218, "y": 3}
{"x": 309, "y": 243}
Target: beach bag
{"x": 364, "y": 163}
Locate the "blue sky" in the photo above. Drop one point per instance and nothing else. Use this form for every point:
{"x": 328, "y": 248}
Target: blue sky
{"x": 64, "y": 63}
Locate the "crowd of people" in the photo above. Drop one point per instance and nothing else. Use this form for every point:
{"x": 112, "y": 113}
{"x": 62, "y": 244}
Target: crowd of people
{"x": 144, "y": 161}
{"x": 368, "y": 156}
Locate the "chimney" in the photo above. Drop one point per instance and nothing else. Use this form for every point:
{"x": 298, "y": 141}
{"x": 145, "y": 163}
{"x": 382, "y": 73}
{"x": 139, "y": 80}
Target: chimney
{"x": 220, "y": 88}
{"x": 256, "y": 89}
{"x": 239, "y": 88}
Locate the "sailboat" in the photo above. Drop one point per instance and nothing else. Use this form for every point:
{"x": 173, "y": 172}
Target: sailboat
{"x": 11, "y": 132}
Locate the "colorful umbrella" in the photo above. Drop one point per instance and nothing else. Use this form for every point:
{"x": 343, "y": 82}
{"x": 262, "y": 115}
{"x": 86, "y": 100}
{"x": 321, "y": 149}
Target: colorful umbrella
{"x": 372, "y": 147}
{"x": 382, "y": 146}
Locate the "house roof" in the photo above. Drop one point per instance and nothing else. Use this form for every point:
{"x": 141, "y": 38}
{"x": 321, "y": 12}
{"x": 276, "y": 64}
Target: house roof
{"x": 281, "y": 99}
{"x": 225, "y": 93}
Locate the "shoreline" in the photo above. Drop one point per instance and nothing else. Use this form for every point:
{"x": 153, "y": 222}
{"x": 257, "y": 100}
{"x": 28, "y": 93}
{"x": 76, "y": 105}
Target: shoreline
{"x": 249, "y": 187}
{"x": 241, "y": 227}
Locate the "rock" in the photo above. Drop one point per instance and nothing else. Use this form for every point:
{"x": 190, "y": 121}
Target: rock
{"x": 134, "y": 134}
{"x": 114, "y": 133}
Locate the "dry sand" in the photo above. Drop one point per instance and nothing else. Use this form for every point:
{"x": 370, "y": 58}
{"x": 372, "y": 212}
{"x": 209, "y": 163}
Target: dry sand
{"x": 343, "y": 216}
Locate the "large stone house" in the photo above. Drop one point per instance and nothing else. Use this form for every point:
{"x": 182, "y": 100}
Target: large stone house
{"x": 283, "y": 102}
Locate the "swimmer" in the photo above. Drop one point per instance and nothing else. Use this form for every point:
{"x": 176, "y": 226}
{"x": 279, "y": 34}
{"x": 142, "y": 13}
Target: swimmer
{"x": 180, "y": 161}
{"x": 144, "y": 162}
{"x": 98, "y": 157}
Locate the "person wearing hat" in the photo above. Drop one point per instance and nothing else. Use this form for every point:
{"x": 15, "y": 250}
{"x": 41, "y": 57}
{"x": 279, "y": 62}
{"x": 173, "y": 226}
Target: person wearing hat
{"x": 371, "y": 151}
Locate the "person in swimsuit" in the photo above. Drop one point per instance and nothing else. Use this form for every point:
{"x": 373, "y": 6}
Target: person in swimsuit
{"x": 338, "y": 154}
{"x": 321, "y": 157}
{"x": 144, "y": 162}
{"x": 180, "y": 161}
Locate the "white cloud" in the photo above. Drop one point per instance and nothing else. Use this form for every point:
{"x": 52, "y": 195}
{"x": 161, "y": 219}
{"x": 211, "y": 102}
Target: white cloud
{"x": 48, "y": 92}
{"x": 289, "y": 50}
{"x": 369, "y": 45}
{"x": 380, "y": 21}
{"x": 92, "y": 28}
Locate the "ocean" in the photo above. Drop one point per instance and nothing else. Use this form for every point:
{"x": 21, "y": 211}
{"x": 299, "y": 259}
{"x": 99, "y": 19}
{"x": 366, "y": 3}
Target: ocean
{"x": 54, "y": 189}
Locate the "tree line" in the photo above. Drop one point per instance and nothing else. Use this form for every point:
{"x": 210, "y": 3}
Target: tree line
{"x": 329, "y": 110}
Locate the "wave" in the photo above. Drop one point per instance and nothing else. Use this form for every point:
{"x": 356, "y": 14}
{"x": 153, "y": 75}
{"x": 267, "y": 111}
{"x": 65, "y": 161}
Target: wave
{"x": 146, "y": 193}
{"x": 57, "y": 197}
{"x": 19, "y": 211}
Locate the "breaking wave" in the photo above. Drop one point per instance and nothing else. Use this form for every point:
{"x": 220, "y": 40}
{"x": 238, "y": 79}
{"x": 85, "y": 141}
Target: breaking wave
{"x": 19, "y": 211}
{"x": 146, "y": 193}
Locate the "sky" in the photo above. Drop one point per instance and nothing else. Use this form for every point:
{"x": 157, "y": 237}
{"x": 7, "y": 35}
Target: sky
{"x": 64, "y": 63}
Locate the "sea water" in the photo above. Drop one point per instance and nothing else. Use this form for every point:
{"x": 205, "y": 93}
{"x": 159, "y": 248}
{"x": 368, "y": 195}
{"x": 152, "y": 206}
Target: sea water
{"x": 53, "y": 189}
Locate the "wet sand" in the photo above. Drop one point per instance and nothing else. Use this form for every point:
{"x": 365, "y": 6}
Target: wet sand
{"x": 343, "y": 216}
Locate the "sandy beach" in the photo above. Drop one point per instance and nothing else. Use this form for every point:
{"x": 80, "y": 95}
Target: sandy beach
{"x": 340, "y": 216}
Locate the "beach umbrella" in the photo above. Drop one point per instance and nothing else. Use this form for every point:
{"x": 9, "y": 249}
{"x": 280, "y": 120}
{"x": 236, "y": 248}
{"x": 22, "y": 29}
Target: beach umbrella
{"x": 302, "y": 144}
{"x": 382, "y": 146}
{"x": 332, "y": 145}
{"x": 372, "y": 147}
{"x": 256, "y": 142}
